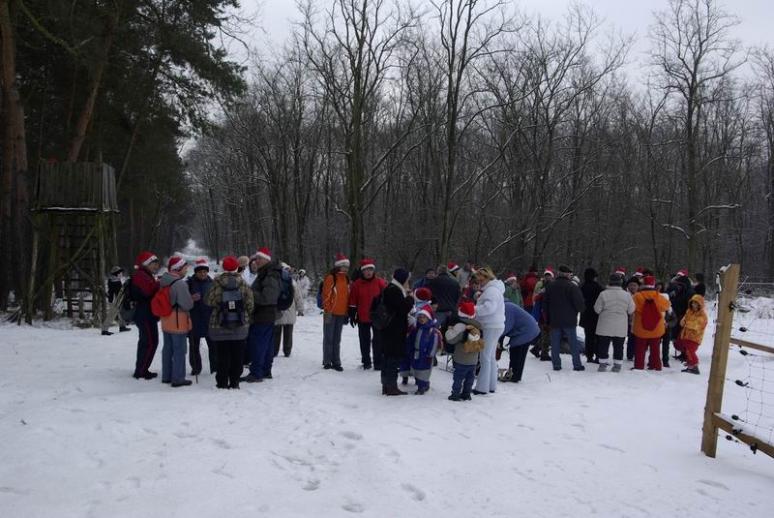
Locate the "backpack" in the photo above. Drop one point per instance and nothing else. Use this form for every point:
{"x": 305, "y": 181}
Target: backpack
{"x": 161, "y": 305}
{"x": 651, "y": 316}
{"x": 380, "y": 315}
{"x": 287, "y": 292}
{"x": 127, "y": 304}
{"x": 319, "y": 295}
{"x": 232, "y": 306}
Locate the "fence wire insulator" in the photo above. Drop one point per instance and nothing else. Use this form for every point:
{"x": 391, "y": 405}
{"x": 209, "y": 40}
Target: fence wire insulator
{"x": 735, "y": 417}
{"x": 729, "y": 438}
{"x": 743, "y": 352}
{"x": 741, "y": 383}
{"x": 743, "y": 329}
{"x": 736, "y": 431}
{"x": 754, "y": 448}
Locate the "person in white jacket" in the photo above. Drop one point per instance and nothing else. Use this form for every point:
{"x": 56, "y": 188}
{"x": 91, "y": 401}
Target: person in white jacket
{"x": 490, "y": 313}
{"x": 614, "y": 306}
{"x": 283, "y": 326}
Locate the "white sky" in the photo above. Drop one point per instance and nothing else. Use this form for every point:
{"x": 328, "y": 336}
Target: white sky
{"x": 275, "y": 18}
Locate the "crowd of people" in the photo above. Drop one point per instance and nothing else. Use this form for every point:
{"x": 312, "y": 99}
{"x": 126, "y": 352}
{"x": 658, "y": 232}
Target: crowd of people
{"x": 247, "y": 313}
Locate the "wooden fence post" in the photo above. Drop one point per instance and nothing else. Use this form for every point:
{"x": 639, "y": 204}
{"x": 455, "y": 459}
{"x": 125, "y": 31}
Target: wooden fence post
{"x": 729, "y": 283}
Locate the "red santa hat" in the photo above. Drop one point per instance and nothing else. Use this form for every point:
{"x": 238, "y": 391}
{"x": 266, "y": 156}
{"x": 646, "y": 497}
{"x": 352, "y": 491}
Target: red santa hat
{"x": 367, "y": 263}
{"x": 341, "y": 261}
{"x": 230, "y": 264}
{"x": 145, "y": 259}
{"x": 201, "y": 263}
{"x": 549, "y": 271}
{"x": 262, "y": 253}
{"x": 620, "y": 271}
{"x": 649, "y": 282}
{"x": 511, "y": 277}
{"x": 423, "y": 294}
{"x": 640, "y": 272}
{"x": 425, "y": 310}
{"x": 452, "y": 267}
{"x": 176, "y": 263}
{"x": 683, "y": 273}
{"x": 466, "y": 310}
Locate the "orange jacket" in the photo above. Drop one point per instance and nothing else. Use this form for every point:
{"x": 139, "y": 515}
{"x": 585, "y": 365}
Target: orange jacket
{"x": 335, "y": 294}
{"x": 662, "y": 304}
{"x": 694, "y": 322}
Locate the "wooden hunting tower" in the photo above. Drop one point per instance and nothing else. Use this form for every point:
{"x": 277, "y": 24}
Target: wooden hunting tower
{"x": 74, "y": 211}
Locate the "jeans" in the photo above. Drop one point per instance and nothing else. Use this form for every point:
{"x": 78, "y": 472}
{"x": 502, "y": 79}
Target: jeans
{"x": 260, "y": 341}
{"x": 463, "y": 378}
{"x": 364, "y": 332}
{"x": 603, "y": 347}
{"x": 283, "y": 334}
{"x": 173, "y": 358}
{"x": 230, "y": 354}
{"x": 487, "y": 375}
{"x": 556, "y": 339}
{"x": 195, "y": 355}
{"x": 332, "y": 326}
{"x": 389, "y": 374}
{"x": 147, "y": 343}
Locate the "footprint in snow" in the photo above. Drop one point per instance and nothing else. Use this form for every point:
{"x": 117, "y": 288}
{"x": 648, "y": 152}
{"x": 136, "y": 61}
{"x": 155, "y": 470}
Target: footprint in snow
{"x": 220, "y": 443}
{"x": 352, "y": 435}
{"x": 712, "y": 483}
{"x": 311, "y": 485}
{"x": 416, "y": 493}
{"x": 353, "y": 507}
{"x": 613, "y": 448}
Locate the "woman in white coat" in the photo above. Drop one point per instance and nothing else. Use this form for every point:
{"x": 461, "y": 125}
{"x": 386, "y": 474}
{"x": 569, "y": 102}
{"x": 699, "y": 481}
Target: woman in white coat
{"x": 614, "y": 306}
{"x": 490, "y": 313}
{"x": 283, "y": 325}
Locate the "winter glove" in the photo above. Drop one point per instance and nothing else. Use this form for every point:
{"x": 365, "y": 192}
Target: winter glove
{"x": 352, "y": 316}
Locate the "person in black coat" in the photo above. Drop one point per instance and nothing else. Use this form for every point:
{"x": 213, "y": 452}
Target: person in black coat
{"x": 398, "y": 302}
{"x": 562, "y": 302}
{"x": 588, "y": 320}
{"x": 680, "y": 292}
{"x": 446, "y": 295}
{"x": 199, "y": 285}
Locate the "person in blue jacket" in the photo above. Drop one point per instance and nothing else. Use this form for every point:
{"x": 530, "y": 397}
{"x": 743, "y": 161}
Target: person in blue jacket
{"x": 522, "y": 330}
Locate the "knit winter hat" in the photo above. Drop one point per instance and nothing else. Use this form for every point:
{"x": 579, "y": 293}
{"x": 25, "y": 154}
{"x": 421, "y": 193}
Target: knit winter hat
{"x": 511, "y": 277}
{"x": 243, "y": 261}
{"x": 201, "y": 264}
{"x": 425, "y": 310}
{"x": 549, "y": 271}
{"x": 263, "y": 253}
{"x": 620, "y": 271}
{"x": 301, "y": 272}
{"x": 615, "y": 280}
{"x": 466, "y": 310}
{"x": 341, "y": 261}
{"x": 452, "y": 267}
{"x": 367, "y": 263}
{"x": 284, "y": 266}
{"x": 145, "y": 259}
{"x": 116, "y": 270}
{"x": 649, "y": 282}
{"x": 565, "y": 269}
{"x": 176, "y": 263}
{"x": 401, "y": 275}
{"x": 230, "y": 264}
{"x": 423, "y": 294}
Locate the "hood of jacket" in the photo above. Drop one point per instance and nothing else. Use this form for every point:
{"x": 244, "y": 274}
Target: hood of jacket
{"x": 589, "y": 274}
{"x": 699, "y": 300}
{"x": 496, "y": 285}
{"x": 168, "y": 278}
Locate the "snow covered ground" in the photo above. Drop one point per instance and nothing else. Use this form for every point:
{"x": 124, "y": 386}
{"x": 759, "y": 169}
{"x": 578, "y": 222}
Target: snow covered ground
{"x": 81, "y": 438}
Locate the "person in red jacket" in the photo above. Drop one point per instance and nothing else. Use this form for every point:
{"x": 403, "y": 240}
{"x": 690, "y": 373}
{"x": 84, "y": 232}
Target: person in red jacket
{"x": 361, "y": 295}
{"x": 143, "y": 287}
{"x": 527, "y": 285}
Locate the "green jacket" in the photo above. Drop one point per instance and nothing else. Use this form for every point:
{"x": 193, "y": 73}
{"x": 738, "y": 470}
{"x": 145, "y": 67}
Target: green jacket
{"x": 514, "y": 296}
{"x": 215, "y": 297}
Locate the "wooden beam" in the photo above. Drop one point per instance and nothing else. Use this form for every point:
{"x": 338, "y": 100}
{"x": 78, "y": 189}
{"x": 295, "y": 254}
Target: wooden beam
{"x": 728, "y": 284}
{"x": 751, "y": 345}
{"x": 722, "y": 422}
